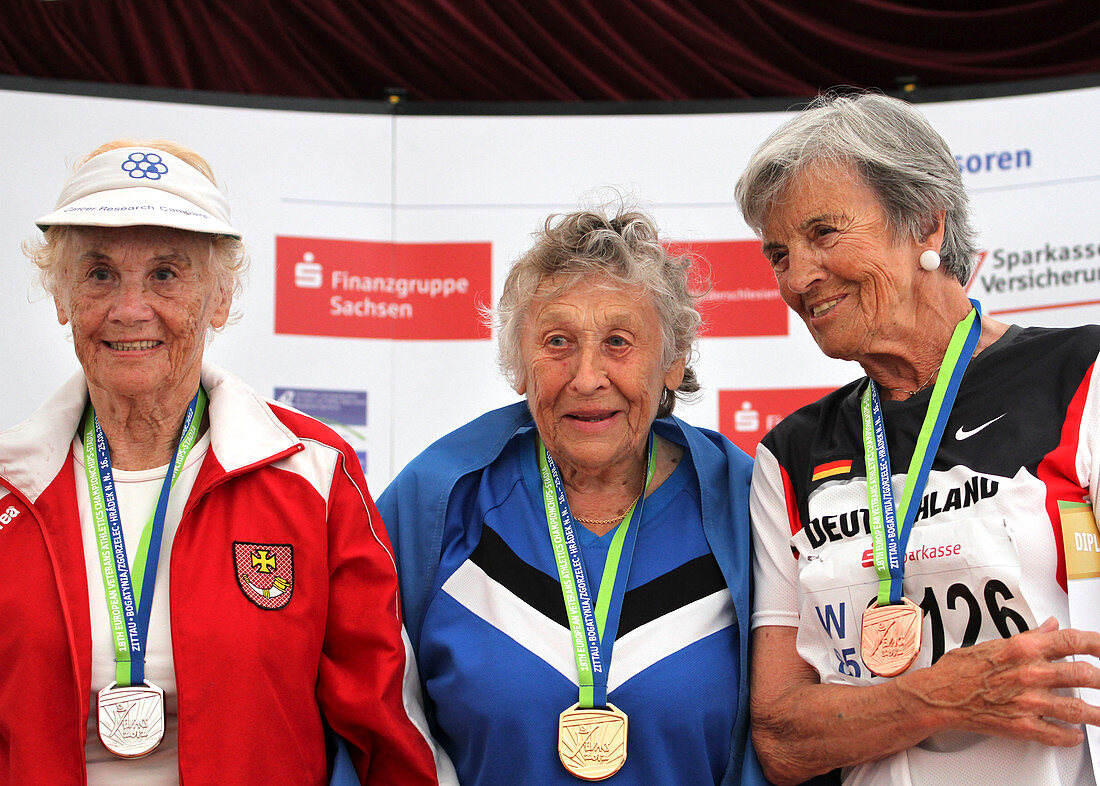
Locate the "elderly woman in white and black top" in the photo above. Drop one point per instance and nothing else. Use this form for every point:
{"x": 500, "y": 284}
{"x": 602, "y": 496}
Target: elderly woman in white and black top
{"x": 915, "y": 530}
{"x": 275, "y": 606}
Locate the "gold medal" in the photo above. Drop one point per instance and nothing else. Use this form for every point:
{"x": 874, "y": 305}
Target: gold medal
{"x": 891, "y": 637}
{"x": 592, "y": 742}
{"x": 131, "y": 719}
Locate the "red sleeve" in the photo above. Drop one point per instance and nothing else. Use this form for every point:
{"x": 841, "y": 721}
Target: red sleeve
{"x": 367, "y": 686}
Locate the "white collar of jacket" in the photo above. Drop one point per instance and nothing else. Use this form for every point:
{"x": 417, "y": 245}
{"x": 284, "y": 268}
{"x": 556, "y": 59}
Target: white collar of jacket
{"x": 243, "y": 431}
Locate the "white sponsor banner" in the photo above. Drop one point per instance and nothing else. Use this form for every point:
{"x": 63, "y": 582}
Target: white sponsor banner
{"x": 376, "y": 206}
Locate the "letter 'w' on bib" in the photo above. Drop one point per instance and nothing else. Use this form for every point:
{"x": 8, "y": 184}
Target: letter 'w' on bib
{"x": 591, "y": 733}
{"x": 130, "y": 709}
{"x": 891, "y": 635}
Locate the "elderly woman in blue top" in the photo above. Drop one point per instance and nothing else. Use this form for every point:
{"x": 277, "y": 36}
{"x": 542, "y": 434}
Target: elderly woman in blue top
{"x": 575, "y": 567}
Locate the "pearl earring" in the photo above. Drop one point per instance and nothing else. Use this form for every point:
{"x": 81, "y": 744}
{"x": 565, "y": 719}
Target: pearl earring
{"x": 930, "y": 260}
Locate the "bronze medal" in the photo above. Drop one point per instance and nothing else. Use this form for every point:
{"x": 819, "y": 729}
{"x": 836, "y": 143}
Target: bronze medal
{"x": 131, "y": 719}
{"x": 891, "y": 637}
{"x": 592, "y": 742}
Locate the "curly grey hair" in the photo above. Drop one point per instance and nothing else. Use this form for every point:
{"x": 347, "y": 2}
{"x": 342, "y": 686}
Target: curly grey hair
{"x": 625, "y": 250}
{"x": 892, "y": 146}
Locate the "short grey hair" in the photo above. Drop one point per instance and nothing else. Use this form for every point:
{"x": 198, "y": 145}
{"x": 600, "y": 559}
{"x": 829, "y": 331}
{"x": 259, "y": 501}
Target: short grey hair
{"x": 892, "y": 146}
{"x": 625, "y": 249}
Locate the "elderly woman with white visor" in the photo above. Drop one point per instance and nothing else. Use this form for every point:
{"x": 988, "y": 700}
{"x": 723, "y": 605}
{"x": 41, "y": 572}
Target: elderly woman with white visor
{"x": 197, "y": 581}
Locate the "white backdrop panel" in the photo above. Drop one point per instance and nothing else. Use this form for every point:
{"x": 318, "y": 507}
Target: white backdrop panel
{"x": 1030, "y": 162}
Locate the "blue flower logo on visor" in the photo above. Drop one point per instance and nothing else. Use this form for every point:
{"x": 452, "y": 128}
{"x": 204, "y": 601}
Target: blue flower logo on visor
{"x": 148, "y": 165}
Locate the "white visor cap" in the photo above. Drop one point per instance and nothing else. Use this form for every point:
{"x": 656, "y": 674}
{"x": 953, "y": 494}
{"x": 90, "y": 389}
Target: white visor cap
{"x": 139, "y": 186}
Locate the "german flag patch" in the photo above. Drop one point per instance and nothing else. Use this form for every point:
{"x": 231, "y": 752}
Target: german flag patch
{"x": 831, "y": 469}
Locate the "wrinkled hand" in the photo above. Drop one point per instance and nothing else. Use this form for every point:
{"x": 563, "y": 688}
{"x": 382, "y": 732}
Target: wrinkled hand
{"x": 1007, "y": 687}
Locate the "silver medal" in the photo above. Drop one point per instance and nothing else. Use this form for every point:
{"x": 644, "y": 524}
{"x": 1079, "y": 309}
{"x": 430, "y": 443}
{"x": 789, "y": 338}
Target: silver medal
{"x": 131, "y": 719}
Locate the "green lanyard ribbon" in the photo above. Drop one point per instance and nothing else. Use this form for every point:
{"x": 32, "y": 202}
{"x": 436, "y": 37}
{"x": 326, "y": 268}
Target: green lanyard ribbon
{"x": 593, "y": 628}
{"x": 888, "y": 540}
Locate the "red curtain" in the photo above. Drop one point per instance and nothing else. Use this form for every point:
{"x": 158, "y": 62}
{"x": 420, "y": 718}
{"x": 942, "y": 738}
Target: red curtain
{"x": 549, "y": 50}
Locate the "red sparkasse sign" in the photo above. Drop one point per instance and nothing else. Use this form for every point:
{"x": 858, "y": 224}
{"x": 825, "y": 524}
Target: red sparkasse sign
{"x": 745, "y": 416}
{"x": 369, "y": 289}
{"x": 743, "y": 299}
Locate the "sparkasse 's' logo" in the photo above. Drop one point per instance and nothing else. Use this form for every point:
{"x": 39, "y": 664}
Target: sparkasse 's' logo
{"x": 307, "y": 273}
{"x": 745, "y": 416}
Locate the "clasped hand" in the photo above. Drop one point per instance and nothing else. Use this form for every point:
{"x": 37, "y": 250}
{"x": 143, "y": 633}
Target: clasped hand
{"x": 1018, "y": 687}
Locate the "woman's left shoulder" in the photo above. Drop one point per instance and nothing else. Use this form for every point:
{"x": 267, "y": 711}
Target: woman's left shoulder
{"x": 1050, "y": 347}
{"x": 1087, "y": 337}
{"x": 1081, "y": 338}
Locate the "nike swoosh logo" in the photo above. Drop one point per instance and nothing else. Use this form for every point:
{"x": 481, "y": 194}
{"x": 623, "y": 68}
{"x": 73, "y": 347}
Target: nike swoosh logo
{"x": 962, "y": 433}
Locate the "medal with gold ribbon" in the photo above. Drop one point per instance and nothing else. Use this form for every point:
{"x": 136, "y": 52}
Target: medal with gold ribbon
{"x": 891, "y": 634}
{"x": 592, "y": 733}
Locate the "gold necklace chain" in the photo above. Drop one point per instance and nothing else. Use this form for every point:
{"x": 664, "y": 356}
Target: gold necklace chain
{"x": 613, "y": 520}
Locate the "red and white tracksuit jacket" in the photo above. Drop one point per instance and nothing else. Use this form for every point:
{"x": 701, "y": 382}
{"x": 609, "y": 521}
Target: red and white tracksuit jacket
{"x": 253, "y": 683}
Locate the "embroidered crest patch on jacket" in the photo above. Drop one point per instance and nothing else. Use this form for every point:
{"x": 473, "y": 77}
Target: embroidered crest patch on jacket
{"x": 265, "y": 572}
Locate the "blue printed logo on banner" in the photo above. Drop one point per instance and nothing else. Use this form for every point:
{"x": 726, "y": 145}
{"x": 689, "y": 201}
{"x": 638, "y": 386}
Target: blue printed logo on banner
{"x": 340, "y": 409}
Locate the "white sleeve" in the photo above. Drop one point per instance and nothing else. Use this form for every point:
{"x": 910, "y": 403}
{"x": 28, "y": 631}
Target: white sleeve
{"x": 775, "y": 568}
{"x": 1088, "y": 446}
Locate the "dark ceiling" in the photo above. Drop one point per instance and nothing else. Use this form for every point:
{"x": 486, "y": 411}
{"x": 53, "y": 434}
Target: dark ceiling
{"x": 550, "y": 50}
